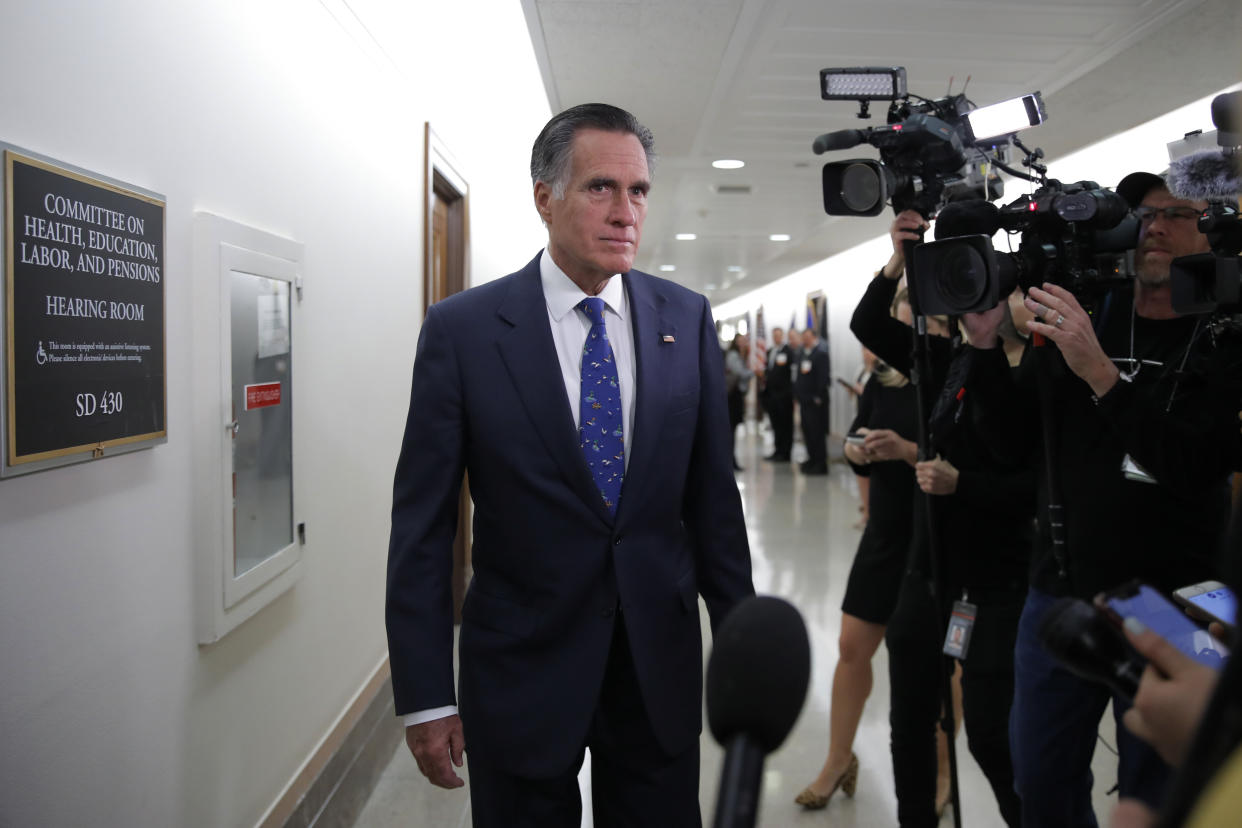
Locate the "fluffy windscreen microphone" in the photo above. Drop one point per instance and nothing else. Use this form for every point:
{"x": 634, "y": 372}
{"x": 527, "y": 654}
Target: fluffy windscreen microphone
{"x": 1208, "y": 174}
{"x": 756, "y": 683}
{"x": 967, "y": 218}
{"x": 758, "y": 672}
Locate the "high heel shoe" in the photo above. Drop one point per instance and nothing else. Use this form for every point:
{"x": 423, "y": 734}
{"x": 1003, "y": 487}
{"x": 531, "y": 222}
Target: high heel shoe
{"x": 847, "y": 782}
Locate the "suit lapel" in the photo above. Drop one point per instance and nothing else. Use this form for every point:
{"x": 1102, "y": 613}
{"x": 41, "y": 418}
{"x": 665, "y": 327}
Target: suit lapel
{"x": 529, "y": 354}
{"x": 651, "y": 394}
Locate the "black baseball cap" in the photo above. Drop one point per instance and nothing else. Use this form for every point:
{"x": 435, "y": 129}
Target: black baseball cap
{"x": 1138, "y": 184}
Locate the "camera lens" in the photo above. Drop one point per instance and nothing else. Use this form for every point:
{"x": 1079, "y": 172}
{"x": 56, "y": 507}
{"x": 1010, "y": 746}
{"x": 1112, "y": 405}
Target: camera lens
{"x": 961, "y": 277}
{"x": 860, "y": 187}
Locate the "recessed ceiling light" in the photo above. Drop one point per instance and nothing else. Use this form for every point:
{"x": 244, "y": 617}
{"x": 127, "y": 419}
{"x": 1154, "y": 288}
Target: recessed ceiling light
{"x": 780, "y": 237}
{"x": 668, "y": 268}
{"x": 686, "y": 237}
{"x": 728, "y": 164}
{"x": 710, "y": 286}
{"x": 734, "y": 269}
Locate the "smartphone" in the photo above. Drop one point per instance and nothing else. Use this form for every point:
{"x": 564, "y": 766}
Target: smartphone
{"x": 1209, "y": 600}
{"x": 1161, "y": 615}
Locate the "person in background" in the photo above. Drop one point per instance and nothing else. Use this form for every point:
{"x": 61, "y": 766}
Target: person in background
{"x": 737, "y": 383}
{"x": 811, "y": 387}
{"x": 887, "y": 420}
{"x": 778, "y": 396}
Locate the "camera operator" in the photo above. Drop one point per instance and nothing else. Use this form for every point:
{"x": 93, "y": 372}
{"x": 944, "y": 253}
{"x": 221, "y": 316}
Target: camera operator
{"x": 1143, "y": 422}
{"x": 984, "y": 511}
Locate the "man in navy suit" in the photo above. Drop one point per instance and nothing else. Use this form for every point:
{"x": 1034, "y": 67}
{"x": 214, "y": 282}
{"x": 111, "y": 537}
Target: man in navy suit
{"x": 596, "y": 439}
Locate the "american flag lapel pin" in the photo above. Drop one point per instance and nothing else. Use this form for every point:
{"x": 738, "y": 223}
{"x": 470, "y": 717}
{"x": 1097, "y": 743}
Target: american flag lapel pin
{"x": 668, "y": 338}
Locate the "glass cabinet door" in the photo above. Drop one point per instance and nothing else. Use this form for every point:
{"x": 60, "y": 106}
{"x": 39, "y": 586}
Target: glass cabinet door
{"x": 261, "y": 429}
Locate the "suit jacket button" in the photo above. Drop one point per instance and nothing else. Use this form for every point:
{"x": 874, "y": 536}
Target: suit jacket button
{"x": 607, "y": 612}
{"x": 616, "y": 541}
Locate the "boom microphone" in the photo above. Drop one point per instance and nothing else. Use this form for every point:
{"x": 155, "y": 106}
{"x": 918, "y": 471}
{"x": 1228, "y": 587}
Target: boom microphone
{"x": 968, "y": 218}
{"x": 1200, "y": 176}
{"x": 1227, "y": 111}
{"x": 757, "y": 680}
{"x": 839, "y": 140}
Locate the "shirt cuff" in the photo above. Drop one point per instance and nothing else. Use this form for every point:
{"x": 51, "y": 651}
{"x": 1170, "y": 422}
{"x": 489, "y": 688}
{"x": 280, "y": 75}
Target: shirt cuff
{"x": 430, "y": 715}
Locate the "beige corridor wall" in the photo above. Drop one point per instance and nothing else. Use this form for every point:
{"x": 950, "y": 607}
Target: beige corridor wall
{"x": 275, "y": 114}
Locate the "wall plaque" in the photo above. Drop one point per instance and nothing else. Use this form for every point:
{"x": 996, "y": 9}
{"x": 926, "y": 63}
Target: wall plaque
{"x": 84, "y": 334}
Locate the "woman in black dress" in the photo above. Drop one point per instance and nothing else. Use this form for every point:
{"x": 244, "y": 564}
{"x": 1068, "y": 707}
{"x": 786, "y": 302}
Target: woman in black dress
{"x": 887, "y": 420}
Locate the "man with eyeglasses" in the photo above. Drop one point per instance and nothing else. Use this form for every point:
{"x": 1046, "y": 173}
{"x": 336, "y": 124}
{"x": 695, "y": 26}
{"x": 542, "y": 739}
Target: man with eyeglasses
{"x": 1144, "y": 409}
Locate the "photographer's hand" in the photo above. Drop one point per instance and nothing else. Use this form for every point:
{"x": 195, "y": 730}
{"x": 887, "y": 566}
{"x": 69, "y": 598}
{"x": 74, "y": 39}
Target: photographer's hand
{"x": 981, "y": 327}
{"x": 885, "y": 444}
{"x": 904, "y": 228}
{"x": 1172, "y": 695}
{"x": 936, "y": 477}
{"x": 1062, "y": 320}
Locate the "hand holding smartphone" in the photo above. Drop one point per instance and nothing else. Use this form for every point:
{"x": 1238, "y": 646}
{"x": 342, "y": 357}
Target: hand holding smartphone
{"x": 1157, "y": 613}
{"x": 1209, "y": 601}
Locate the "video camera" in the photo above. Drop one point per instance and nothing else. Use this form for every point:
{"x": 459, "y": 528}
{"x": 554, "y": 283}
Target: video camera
{"x": 1211, "y": 282}
{"x": 925, "y": 149}
{"x": 1073, "y": 235}
{"x": 939, "y": 156}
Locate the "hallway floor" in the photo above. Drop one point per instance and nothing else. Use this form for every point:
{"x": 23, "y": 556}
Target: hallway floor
{"x": 802, "y": 541}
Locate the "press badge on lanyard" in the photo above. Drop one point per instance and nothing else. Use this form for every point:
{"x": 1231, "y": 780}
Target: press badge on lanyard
{"x": 961, "y": 622}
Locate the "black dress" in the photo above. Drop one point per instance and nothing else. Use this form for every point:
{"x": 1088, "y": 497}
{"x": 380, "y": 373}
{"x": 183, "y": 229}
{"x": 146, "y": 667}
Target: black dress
{"x": 875, "y": 577}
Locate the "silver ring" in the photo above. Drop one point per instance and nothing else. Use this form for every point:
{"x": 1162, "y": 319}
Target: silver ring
{"x": 1060, "y": 319}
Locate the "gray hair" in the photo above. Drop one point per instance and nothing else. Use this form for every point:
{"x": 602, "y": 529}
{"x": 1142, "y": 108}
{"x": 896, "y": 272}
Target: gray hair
{"x": 551, "y": 156}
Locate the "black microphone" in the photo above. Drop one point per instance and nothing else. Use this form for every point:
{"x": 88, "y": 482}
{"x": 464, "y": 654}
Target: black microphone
{"x": 839, "y": 140}
{"x": 1082, "y": 639}
{"x": 1204, "y": 175}
{"x": 757, "y": 679}
{"x": 1227, "y": 111}
{"x": 968, "y": 218}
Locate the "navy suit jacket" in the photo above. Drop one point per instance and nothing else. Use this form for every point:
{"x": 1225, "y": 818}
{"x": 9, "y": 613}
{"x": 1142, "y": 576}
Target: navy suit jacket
{"x": 551, "y": 565}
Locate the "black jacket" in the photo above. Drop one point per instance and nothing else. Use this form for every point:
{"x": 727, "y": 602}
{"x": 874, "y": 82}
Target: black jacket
{"x": 985, "y": 526}
{"x": 813, "y": 374}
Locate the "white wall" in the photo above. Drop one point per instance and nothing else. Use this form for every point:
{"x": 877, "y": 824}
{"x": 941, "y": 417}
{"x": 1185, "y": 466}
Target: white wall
{"x": 271, "y": 114}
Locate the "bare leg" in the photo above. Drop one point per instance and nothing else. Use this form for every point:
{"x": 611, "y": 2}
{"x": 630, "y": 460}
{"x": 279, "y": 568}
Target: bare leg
{"x": 943, "y": 792}
{"x": 864, "y": 495}
{"x": 851, "y": 684}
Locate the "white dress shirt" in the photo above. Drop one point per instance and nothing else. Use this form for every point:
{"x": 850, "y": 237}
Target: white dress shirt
{"x": 569, "y": 332}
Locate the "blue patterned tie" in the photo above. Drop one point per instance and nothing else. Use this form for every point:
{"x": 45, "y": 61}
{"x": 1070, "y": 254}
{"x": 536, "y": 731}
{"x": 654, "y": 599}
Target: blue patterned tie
{"x": 599, "y": 420}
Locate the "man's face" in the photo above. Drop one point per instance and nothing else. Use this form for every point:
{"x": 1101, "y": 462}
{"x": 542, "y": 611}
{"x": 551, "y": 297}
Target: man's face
{"x": 808, "y": 339}
{"x": 1163, "y": 238}
{"x": 593, "y": 231}
{"x": 778, "y": 337}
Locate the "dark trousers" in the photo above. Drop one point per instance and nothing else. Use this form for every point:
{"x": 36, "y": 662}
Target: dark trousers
{"x": 915, "y": 637}
{"x": 815, "y": 430}
{"x": 633, "y": 782}
{"x": 780, "y": 413}
{"x": 1053, "y": 728}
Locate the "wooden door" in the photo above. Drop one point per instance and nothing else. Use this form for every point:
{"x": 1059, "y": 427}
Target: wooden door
{"x": 446, "y": 223}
